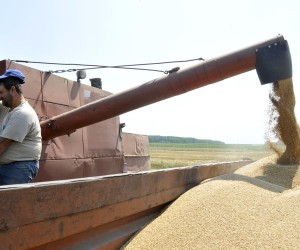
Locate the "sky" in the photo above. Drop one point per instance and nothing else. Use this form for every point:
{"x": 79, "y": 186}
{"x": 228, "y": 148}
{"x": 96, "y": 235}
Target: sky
{"x": 116, "y": 32}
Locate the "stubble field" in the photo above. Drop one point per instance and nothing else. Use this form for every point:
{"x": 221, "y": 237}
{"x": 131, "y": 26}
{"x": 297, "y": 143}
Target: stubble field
{"x": 168, "y": 155}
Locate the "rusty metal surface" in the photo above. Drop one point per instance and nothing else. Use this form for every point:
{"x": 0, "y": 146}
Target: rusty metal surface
{"x": 134, "y": 163}
{"x": 66, "y": 213}
{"x": 202, "y": 74}
{"x": 136, "y": 152}
{"x": 74, "y": 97}
{"x": 60, "y": 169}
{"x": 64, "y": 169}
{"x": 55, "y": 89}
{"x": 134, "y": 144}
{"x": 108, "y": 236}
{"x": 104, "y": 166}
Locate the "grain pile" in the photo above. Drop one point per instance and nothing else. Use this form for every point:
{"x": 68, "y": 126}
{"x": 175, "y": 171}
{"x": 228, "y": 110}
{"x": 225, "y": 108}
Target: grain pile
{"x": 267, "y": 169}
{"x": 257, "y": 207}
{"x": 228, "y": 212}
{"x": 233, "y": 211}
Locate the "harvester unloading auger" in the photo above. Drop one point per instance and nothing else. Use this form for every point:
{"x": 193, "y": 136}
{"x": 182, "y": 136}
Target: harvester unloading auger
{"x": 270, "y": 58}
{"x": 104, "y": 210}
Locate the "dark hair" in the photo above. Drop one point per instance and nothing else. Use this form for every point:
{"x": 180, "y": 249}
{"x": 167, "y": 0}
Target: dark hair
{"x": 12, "y": 81}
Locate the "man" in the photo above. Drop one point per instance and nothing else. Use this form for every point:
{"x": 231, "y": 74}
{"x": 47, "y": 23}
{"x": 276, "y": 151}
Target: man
{"x": 20, "y": 132}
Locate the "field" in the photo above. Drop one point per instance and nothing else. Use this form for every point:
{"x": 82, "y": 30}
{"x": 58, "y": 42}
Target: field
{"x": 167, "y": 155}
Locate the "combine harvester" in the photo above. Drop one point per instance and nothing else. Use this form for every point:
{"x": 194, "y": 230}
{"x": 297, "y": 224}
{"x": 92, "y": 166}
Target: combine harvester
{"x": 84, "y": 197}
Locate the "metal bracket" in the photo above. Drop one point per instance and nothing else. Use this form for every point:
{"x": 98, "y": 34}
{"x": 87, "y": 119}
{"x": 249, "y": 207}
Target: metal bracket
{"x": 274, "y": 63}
{"x": 51, "y": 124}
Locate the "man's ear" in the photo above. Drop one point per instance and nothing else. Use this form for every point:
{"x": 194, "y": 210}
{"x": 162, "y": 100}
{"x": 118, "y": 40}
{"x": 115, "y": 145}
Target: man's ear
{"x": 12, "y": 90}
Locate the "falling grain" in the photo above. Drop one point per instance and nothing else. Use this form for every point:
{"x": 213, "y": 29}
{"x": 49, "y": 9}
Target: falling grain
{"x": 283, "y": 123}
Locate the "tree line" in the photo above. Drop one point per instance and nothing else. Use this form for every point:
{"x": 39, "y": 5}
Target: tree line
{"x": 175, "y": 139}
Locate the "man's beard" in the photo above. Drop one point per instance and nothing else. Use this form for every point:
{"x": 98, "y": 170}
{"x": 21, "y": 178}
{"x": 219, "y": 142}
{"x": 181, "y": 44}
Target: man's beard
{"x": 7, "y": 102}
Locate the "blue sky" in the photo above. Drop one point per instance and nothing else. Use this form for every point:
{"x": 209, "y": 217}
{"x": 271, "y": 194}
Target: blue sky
{"x": 114, "y": 32}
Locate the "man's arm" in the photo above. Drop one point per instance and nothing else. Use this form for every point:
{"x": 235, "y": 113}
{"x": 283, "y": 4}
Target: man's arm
{"x": 4, "y": 144}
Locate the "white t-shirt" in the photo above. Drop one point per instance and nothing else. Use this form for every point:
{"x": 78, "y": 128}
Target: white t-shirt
{"x": 3, "y": 111}
{"x": 23, "y": 127}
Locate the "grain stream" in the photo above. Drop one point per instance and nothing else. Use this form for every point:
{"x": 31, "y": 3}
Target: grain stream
{"x": 282, "y": 122}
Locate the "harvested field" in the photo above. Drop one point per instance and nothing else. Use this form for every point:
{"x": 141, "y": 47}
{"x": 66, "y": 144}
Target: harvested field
{"x": 168, "y": 155}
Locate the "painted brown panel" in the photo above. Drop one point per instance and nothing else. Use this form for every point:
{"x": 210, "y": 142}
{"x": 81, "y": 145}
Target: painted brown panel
{"x": 63, "y": 147}
{"x": 136, "y": 163}
{"x": 55, "y": 89}
{"x": 134, "y": 144}
{"x": 39, "y": 107}
{"x": 103, "y": 166}
{"x": 100, "y": 139}
{"x": 67, "y": 169}
{"x": 89, "y": 94}
{"x": 74, "y": 93}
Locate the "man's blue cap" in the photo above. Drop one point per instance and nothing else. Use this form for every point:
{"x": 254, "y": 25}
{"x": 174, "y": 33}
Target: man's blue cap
{"x": 14, "y": 73}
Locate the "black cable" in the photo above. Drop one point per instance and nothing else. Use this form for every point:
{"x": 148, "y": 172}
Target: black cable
{"x": 118, "y": 67}
{"x": 126, "y": 66}
{"x": 104, "y": 66}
